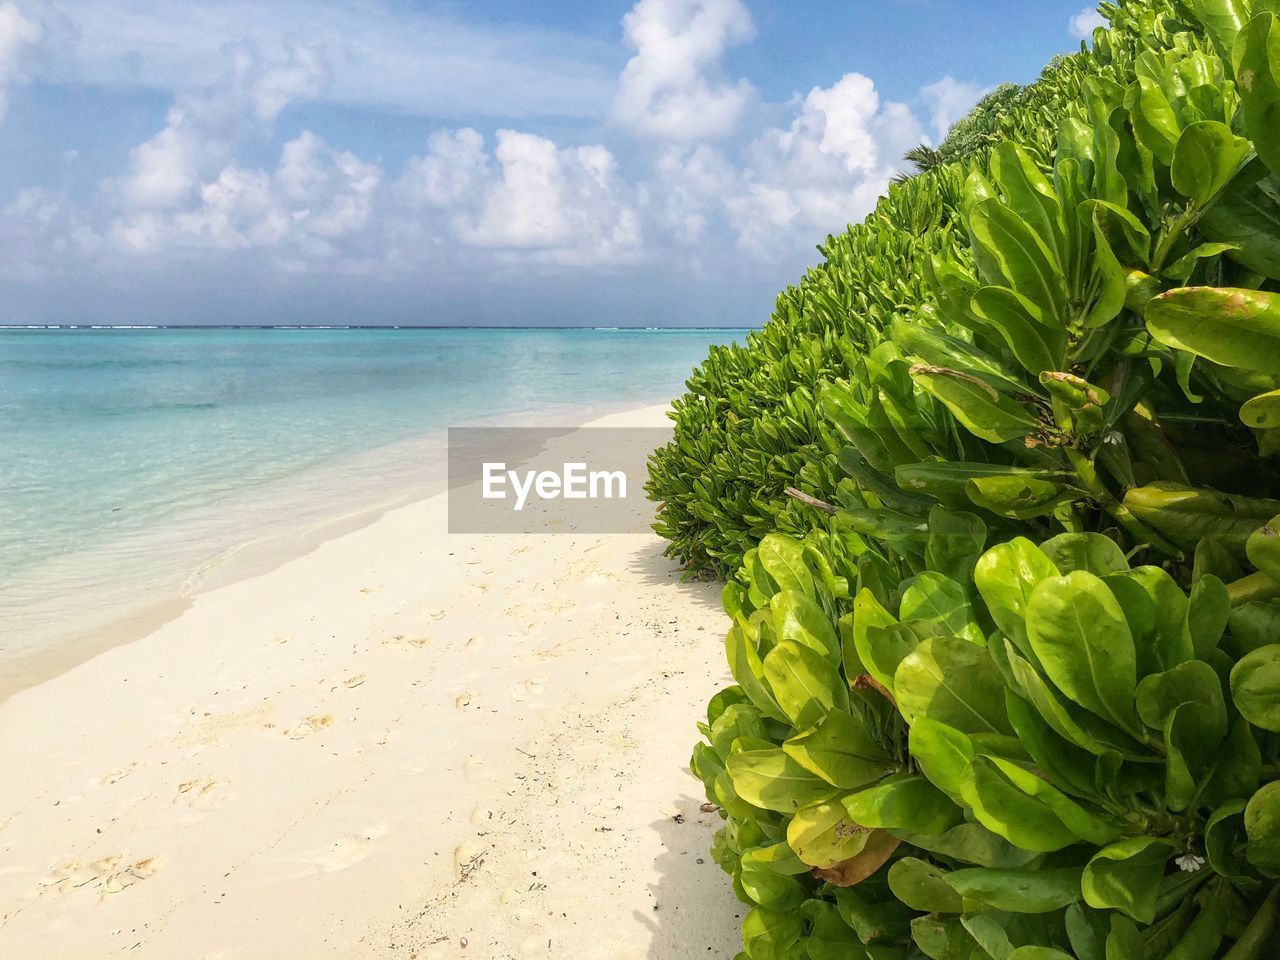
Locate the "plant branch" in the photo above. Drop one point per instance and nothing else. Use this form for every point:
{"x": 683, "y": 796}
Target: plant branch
{"x": 811, "y": 501}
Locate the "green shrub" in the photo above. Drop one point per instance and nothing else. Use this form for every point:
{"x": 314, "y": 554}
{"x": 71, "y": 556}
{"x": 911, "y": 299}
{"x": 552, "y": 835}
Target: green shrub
{"x": 1022, "y": 747}
{"x": 945, "y": 740}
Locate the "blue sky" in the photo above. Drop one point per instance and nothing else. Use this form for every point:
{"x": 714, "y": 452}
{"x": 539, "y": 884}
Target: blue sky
{"x": 330, "y": 161}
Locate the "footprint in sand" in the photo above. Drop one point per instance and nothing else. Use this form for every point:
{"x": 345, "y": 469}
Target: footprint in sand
{"x": 473, "y": 769}
{"x": 438, "y": 614}
{"x": 201, "y": 793}
{"x": 109, "y": 875}
{"x": 312, "y": 724}
{"x": 115, "y": 776}
{"x": 349, "y": 850}
{"x": 534, "y": 686}
{"x": 406, "y": 642}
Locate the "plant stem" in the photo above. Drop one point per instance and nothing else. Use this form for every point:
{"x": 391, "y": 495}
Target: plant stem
{"x": 1255, "y": 586}
{"x": 1089, "y": 478}
{"x": 1257, "y": 935}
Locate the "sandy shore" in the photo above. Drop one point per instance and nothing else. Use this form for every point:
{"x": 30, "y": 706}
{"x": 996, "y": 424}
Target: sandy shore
{"x": 403, "y": 744}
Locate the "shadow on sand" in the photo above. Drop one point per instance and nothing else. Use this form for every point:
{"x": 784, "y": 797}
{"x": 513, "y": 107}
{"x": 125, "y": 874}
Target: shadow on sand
{"x": 653, "y": 568}
{"x": 693, "y": 912}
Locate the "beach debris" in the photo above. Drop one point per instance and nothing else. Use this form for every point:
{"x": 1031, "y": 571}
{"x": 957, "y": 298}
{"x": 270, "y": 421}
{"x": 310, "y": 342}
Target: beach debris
{"x": 468, "y": 858}
{"x": 708, "y": 807}
{"x": 352, "y": 682}
{"x": 462, "y": 700}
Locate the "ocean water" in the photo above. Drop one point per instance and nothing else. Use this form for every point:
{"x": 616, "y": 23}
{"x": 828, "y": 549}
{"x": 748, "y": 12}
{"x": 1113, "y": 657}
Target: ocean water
{"x": 136, "y": 465}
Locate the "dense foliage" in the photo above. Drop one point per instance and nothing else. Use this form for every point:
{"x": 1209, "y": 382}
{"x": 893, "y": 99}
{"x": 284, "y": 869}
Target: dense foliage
{"x": 1019, "y": 697}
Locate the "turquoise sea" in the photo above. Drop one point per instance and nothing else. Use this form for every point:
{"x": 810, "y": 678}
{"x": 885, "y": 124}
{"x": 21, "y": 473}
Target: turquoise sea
{"x": 137, "y": 464}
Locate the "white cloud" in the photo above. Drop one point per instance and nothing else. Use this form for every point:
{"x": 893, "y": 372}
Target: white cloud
{"x": 1085, "y": 22}
{"x": 824, "y": 171}
{"x": 668, "y": 89}
{"x": 949, "y": 100}
{"x": 562, "y": 205}
{"x": 315, "y": 199}
{"x": 18, "y": 33}
{"x": 202, "y": 130}
{"x": 384, "y": 54}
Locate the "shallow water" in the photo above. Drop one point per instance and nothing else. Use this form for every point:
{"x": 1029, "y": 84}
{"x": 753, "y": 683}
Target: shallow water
{"x": 134, "y": 463}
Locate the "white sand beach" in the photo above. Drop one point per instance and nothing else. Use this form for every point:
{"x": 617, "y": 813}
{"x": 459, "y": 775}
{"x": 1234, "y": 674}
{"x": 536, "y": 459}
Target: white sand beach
{"x": 403, "y": 744}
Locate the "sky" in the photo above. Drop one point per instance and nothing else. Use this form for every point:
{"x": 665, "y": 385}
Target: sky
{"x": 662, "y": 162}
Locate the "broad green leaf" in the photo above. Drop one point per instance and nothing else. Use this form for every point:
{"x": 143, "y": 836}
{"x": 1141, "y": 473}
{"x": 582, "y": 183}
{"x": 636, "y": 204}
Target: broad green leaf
{"x": 1222, "y": 20}
{"x": 748, "y": 671}
{"x": 1068, "y": 766}
{"x": 1125, "y": 940}
{"x": 1186, "y": 515}
{"x": 1156, "y": 610}
{"x": 1153, "y": 118}
{"x": 1226, "y": 841}
{"x": 1024, "y": 262}
{"x": 886, "y": 647}
{"x": 1076, "y": 818}
{"x": 841, "y": 751}
{"x": 943, "y": 602}
{"x": 805, "y": 683}
{"x": 942, "y": 938}
{"x": 923, "y": 886}
{"x": 984, "y": 412}
{"x": 1263, "y": 548}
{"x": 798, "y": 617}
{"x": 770, "y": 935}
{"x": 1236, "y": 328}
{"x": 830, "y": 938}
{"x": 778, "y": 857}
{"x": 1247, "y": 215}
{"x": 991, "y": 935}
{"x": 822, "y": 834}
{"x": 1087, "y": 930}
{"x": 933, "y": 347}
{"x": 1208, "y": 612}
{"x": 736, "y": 720}
{"x": 955, "y": 542}
{"x": 1238, "y": 769}
{"x": 867, "y": 613}
{"x": 1192, "y": 733}
{"x": 874, "y": 921}
{"x": 943, "y": 754}
{"x": 1005, "y": 576}
{"x": 1255, "y": 687}
{"x": 971, "y": 843}
{"x": 1205, "y": 159}
{"x": 1004, "y": 809}
{"x": 1020, "y": 497}
{"x": 1262, "y": 825}
{"x": 1257, "y": 56}
{"x": 1076, "y": 726}
{"x": 951, "y": 681}
{"x": 782, "y": 557}
{"x": 1126, "y": 876}
{"x": 1019, "y": 891}
{"x": 1029, "y": 194}
{"x": 1035, "y": 345}
{"x": 907, "y": 803}
{"x": 1262, "y": 412}
{"x": 771, "y": 780}
{"x": 768, "y": 888}
{"x": 1091, "y": 552}
{"x": 1079, "y": 633}
{"x": 1195, "y": 681}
